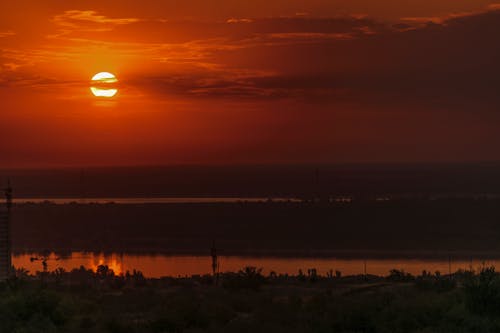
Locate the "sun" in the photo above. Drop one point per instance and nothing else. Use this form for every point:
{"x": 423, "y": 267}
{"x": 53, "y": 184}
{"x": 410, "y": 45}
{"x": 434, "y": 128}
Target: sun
{"x": 102, "y": 85}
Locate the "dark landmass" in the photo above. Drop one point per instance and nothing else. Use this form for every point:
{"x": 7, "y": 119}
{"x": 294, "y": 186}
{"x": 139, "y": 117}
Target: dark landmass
{"x": 362, "y": 180}
{"x": 247, "y": 301}
{"x": 462, "y": 227}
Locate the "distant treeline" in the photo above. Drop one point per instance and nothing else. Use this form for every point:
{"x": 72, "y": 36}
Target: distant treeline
{"x": 364, "y": 227}
{"x": 302, "y": 181}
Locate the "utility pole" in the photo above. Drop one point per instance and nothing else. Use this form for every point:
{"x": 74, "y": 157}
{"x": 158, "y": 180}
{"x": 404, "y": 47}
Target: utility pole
{"x": 215, "y": 262}
{"x": 364, "y": 268}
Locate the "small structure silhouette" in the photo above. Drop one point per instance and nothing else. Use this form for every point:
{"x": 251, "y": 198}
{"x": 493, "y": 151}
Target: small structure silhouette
{"x": 5, "y": 242}
{"x": 43, "y": 259}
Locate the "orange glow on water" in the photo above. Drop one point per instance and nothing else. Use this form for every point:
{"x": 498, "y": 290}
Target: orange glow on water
{"x": 163, "y": 265}
{"x": 114, "y": 262}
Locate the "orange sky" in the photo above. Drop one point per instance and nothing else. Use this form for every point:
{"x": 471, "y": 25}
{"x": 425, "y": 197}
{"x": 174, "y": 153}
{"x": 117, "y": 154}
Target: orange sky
{"x": 249, "y": 82}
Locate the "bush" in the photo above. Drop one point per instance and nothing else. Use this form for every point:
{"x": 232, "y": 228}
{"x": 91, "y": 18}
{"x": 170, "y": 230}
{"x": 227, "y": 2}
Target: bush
{"x": 437, "y": 283}
{"x": 38, "y": 311}
{"x": 396, "y": 275}
{"x": 247, "y": 278}
{"x": 482, "y": 292}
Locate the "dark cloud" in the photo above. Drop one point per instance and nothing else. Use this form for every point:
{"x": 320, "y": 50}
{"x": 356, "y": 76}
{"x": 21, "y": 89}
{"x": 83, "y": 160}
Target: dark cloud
{"x": 451, "y": 64}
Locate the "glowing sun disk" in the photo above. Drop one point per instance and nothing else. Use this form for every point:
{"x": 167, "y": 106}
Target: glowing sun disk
{"x": 98, "y": 92}
{"x": 104, "y": 77}
{"x": 100, "y": 81}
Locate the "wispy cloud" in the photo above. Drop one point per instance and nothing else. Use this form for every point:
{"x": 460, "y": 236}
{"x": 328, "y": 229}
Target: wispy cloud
{"x": 88, "y": 21}
{"x": 326, "y": 59}
{"x": 239, "y": 20}
{"x": 7, "y": 33}
{"x": 74, "y": 17}
{"x": 450, "y": 17}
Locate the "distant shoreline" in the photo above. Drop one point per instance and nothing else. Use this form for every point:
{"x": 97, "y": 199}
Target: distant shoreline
{"x": 295, "y": 254}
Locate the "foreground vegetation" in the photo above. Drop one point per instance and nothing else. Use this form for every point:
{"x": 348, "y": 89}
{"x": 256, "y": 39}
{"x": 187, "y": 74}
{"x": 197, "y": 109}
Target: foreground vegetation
{"x": 247, "y": 301}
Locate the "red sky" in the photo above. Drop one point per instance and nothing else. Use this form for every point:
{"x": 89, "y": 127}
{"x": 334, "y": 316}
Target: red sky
{"x": 270, "y": 81}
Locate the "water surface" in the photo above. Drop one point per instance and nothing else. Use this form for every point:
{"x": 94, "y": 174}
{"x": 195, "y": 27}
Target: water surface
{"x": 179, "y": 265}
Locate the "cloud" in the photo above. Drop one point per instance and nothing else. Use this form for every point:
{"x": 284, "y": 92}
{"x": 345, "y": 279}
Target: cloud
{"x": 7, "y": 33}
{"x": 450, "y": 62}
{"x": 450, "y": 65}
{"x": 444, "y": 19}
{"x": 74, "y": 17}
{"x": 88, "y": 21}
{"x": 239, "y": 20}
{"x": 82, "y": 33}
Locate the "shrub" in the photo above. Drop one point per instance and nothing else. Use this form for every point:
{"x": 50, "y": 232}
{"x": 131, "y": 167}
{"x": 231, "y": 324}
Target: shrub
{"x": 482, "y": 292}
{"x": 247, "y": 278}
{"x": 399, "y": 276}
